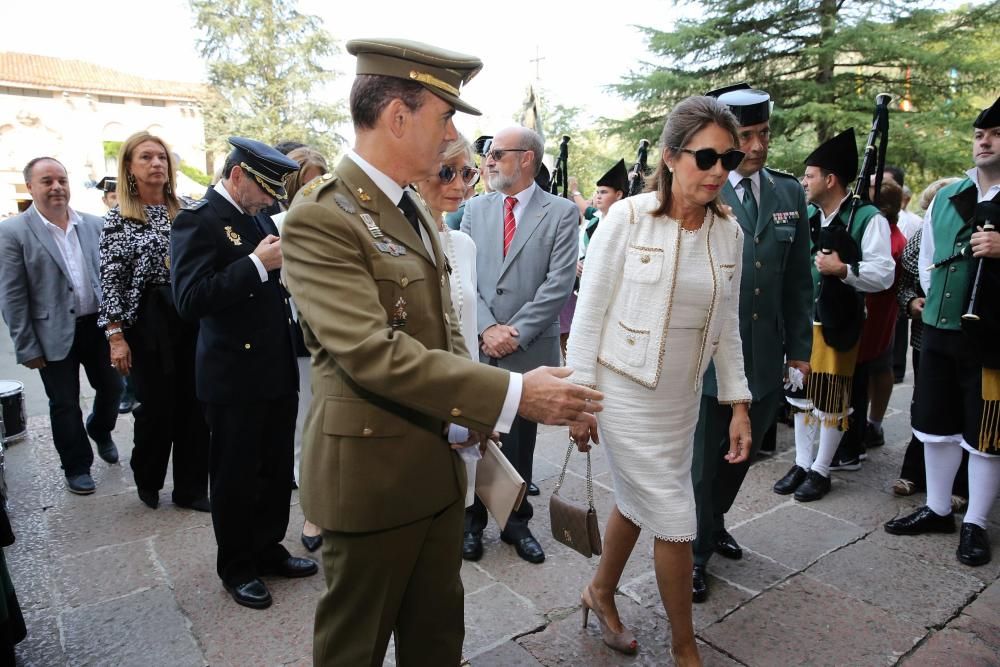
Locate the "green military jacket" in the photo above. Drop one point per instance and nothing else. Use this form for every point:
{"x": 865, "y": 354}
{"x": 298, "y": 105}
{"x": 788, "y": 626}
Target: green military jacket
{"x": 389, "y": 365}
{"x": 775, "y": 292}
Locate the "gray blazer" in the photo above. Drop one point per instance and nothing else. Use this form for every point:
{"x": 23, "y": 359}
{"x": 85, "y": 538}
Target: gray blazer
{"x": 529, "y": 287}
{"x": 36, "y": 292}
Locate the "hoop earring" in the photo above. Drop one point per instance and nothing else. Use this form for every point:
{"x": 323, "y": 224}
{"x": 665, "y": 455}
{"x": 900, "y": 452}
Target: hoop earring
{"x": 131, "y": 184}
{"x": 169, "y": 190}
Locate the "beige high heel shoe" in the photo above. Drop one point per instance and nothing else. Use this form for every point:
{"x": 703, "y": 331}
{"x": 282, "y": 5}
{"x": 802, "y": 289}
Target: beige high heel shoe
{"x": 623, "y": 642}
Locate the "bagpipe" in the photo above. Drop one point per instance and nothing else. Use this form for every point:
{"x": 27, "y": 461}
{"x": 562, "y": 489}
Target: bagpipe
{"x": 560, "y": 172}
{"x": 981, "y": 320}
{"x": 840, "y": 308}
{"x": 637, "y": 177}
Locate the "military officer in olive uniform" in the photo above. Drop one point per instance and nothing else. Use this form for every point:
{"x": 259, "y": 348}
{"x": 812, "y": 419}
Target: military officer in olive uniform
{"x": 775, "y": 319}
{"x": 226, "y": 261}
{"x": 390, "y": 370}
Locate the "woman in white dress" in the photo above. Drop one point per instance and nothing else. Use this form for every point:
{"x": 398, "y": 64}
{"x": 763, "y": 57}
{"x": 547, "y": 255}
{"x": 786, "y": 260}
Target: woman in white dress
{"x": 658, "y": 302}
{"x": 443, "y": 194}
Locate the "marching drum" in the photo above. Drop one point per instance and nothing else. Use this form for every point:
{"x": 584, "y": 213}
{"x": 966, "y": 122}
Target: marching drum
{"x": 15, "y": 419}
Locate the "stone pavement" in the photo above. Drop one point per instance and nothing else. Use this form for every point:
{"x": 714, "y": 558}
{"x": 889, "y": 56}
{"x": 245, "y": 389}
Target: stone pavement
{"x": 105, "y": 581}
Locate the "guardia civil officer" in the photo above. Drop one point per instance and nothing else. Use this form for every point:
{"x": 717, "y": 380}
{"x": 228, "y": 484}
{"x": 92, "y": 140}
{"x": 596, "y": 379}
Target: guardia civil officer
{"x": 226, "y": 258}
{"x": 958, "y": 395}
{"x": 390, "y": 369}
{"x": 775, "y": 319}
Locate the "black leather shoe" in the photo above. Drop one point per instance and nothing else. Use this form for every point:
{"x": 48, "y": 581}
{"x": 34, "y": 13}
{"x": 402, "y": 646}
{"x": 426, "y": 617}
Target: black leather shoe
{"x": 973, "y": 545}
{"x": 472, "y": 545}
{"x": 699, "y": 584}
{"x": 198, "y": 504}
{"x": 814, "y": 487}
{"x": 727, "y": 547}
{"x": 874, "y": 438}
{"x": 924, "y": 520}
{"x": 105, "y": 446}
{"x": 81, "y": 485}
{"x": 526, "y": 547}
{"x": 292, "y": 567}
{"x": 791, "y": 481}
{"x": 150, "y": 498}
{"x": 253, "y": 594}
{"x": 312, "y": 542}
{"x": 533, "y": 490}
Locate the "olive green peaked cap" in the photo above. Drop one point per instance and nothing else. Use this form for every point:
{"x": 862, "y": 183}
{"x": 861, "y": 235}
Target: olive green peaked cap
{"x": 440, "y": 71}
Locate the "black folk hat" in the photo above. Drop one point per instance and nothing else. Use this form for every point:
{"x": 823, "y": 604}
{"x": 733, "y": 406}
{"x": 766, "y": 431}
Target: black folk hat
{"x": 988, "y": 117}
{"x": 266, "y": 165}
{"x": 616, "y": 178}
{"x": 839, "y": 155}
{"x": 108, "y": 184}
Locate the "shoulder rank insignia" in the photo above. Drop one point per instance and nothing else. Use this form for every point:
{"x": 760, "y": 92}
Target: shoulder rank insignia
{"x": 779, "y": 172}
{"x": 233, "y": 236}
{"x": 344, "y": 203}
{"x": 390, "y": 247}
{"x": 195, "y": 205}
{"x": 399, "y": 314}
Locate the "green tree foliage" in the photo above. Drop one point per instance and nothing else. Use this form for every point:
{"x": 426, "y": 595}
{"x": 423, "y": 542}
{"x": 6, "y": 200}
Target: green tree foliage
{"x": 266, "y": 61}
{"x": 823, "y": 61}
{"x": 591, "y": 153}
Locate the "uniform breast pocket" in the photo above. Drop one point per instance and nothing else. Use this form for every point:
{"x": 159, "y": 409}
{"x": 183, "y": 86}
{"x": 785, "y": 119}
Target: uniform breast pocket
{"x": 643, "y": 264}
{"x": 631, "y": 344}
{"x": 402, "y": 293}
{"x": 784, "y": 234}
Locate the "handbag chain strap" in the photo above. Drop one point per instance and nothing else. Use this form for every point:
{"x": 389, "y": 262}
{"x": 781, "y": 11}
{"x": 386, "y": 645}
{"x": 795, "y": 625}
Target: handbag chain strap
{"x": 590, "y": 475}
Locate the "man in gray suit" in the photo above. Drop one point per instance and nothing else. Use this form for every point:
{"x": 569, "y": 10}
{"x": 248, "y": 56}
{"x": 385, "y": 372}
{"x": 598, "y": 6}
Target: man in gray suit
{"x": 526, "y": 248}
{"x": 50, "y": 288}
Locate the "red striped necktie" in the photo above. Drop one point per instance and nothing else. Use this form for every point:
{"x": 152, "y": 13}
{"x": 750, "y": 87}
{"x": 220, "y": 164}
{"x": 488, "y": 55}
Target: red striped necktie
{"x": 509, "y": 226}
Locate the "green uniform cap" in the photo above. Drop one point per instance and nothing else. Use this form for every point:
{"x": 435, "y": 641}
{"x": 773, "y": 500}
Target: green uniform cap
{"x": 440, "y": 71}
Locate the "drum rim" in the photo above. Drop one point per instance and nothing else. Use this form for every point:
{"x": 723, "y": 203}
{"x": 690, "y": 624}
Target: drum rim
{"x": 17, "y": 389}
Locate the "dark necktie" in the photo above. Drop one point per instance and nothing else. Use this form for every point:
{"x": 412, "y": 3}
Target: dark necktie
{"x": 749, "y": 203}
{"x": 409, "y": 210}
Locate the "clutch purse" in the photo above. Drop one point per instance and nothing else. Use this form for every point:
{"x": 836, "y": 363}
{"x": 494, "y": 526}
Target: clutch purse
{"x": 498, "y": 484}
{"x": 575, "y": 524}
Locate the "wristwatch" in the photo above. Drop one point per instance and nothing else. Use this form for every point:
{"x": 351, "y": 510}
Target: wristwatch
{"x": 108, "y": 333}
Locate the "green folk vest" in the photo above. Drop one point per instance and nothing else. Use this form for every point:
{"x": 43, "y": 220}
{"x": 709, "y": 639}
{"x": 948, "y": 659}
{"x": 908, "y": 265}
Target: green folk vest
{"x": 865, "y": 213}
{"x": 949, "y": 284}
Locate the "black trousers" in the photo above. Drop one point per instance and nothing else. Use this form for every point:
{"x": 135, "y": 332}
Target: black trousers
{"x": 250, "y": 468}
{"x": 62, "y": 385}
{"x": 519, "y": 448}
{"x": 852, "y": 443}
{"x": 170, "y": 416}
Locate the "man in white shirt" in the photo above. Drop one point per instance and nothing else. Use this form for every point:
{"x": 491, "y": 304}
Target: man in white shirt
{"x": 50, "y": 288}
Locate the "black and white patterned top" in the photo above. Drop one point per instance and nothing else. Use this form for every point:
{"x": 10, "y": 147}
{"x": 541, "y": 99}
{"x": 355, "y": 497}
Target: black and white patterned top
{"x": 134, "y": 256}
{"x": 909, "y": 288}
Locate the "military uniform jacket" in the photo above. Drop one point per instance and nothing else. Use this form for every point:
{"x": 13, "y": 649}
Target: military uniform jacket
{"x": 776, "y": 290}
{"x": 245, "y": 348}
{"x": 389, "y": 365}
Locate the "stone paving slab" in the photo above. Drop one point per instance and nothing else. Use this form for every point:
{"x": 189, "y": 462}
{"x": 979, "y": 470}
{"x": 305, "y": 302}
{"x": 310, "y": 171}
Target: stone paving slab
{"x": 807, "y": 535}
{"x": 951, "y": 648}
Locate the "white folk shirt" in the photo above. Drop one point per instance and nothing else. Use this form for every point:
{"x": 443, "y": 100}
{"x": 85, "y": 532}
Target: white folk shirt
{"x": 68, "y": 243}
{"x": 877, "y": 268}
{"x": 926, "y": 257}
{"x": 394, "y": 192}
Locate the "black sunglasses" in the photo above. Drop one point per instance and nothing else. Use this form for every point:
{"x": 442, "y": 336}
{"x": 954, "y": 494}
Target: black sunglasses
{"x": 498, "y": 153}
{"x": 470, "y": 175}
{"x": 705, "y": 158}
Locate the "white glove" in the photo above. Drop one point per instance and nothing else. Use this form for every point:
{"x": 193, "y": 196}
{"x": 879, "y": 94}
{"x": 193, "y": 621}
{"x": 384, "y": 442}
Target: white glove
{"x": 795, "y": 380}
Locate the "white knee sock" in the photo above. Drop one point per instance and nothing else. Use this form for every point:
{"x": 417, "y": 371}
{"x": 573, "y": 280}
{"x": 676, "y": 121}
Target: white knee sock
{"x": 984, "y": 483}
{"x": 804, "y": 434}
{"x": 829, "y": 440}
{"x": 941, "y": 459}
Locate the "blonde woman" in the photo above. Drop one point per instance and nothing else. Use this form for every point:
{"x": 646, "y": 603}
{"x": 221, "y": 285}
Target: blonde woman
{"x": 148, "y": 339}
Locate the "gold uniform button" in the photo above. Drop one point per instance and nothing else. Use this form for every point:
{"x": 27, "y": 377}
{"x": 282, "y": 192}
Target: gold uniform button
{"x": 455, "y": 412}
{"x": 944, "y": 320}
{"x": 442, "y": 280}
{"x": 757, "y": 264}
{"x": 404, "y": 281}
{"x": 756, "y": 291}
{"x": 947, "y": 295}
{"x": 644, "y": 259}
{"x": 953, "y": 269}
{"x": 755, "y": 316}
{"x": 246, "y": 346}
{"x": 756, "y": 239}
{"x": 366, "y": 431}
{"x": 630, "y": 341}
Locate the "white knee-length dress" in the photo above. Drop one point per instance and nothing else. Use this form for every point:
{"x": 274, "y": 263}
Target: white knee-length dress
{"x": 648, "y": 434}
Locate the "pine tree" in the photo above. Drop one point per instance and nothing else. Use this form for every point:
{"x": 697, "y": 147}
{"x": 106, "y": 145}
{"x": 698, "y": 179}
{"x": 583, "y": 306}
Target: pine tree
{"x": 823, "y": 62}
{"x": 266, "y": 61}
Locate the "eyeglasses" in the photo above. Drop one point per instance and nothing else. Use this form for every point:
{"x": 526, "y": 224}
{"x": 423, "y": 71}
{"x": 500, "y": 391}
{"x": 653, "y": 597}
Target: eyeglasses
{"x": 705, "y": 158}
{"x": 498, "y": 153}
{"x": 470, "y": 175}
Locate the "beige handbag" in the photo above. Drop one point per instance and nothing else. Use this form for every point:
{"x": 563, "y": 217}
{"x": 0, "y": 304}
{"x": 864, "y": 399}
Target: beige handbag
{"x": 498, "y": 484}
{"x": 574, "y": 524}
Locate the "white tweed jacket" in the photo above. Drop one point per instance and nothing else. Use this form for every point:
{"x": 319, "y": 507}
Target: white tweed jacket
{"x": 623, "y": 310}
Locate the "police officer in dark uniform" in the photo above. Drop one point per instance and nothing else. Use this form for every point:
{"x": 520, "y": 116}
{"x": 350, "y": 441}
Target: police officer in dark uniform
{"x": 226, "y": 258}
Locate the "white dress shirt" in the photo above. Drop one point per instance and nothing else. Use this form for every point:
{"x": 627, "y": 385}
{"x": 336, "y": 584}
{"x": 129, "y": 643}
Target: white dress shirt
{"x": 394, "y": 192}
{"x": 523, "y": 197}
{"x": 68, "y": 242}
{"x": 926, "y": 257}
{"x": 877, "y": 268}
{"x": 261, "y": 271}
